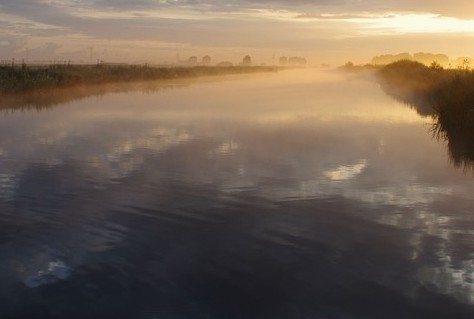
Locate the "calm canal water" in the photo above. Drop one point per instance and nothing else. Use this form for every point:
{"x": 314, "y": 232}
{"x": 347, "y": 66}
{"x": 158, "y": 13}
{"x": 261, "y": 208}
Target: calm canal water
{"x": 298, "y": 194}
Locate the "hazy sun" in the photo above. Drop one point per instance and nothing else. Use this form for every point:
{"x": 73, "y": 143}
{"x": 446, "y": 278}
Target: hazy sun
{"x": 416, "y": 23}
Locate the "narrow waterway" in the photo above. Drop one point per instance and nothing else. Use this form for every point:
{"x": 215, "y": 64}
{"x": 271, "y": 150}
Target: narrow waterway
{"x": 299, "y": 194}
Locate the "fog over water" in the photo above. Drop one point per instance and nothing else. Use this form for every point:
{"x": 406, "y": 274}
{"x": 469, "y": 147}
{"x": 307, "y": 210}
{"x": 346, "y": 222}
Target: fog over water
{"x": 297, "y": 194}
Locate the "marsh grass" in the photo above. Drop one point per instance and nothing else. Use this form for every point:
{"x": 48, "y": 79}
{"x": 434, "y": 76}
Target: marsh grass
{"x": 27, "y": 78}
{"x": 44, "y": 99}
{"x": 445, "y": 95}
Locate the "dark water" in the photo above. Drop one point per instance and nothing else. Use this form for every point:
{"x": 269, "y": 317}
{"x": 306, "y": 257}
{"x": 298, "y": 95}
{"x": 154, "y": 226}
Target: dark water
{"x": 293, "y": 195}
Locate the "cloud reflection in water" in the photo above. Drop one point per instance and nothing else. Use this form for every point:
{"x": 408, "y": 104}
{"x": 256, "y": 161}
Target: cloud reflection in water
{"x": 287, "y": 167}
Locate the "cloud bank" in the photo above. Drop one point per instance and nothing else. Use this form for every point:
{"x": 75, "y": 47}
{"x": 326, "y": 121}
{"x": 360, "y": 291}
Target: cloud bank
{"x": 158, "y": 30}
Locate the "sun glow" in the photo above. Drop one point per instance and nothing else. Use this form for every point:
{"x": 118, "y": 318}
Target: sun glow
{"x": 415, "y": 23}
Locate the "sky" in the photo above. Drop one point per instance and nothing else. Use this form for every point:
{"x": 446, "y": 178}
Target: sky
{"x": 166, "y": 31}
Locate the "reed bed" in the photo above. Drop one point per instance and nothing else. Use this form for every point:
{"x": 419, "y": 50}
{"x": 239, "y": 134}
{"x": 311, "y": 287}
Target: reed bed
{"x": 17, "y": 79}
{"x": 445, "y": 95}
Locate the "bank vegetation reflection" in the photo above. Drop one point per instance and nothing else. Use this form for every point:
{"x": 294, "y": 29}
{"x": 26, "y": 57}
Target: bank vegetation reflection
{"x": 44, "y": 99}
{"x": 445, "y": 96}
{"x": 455, "y": 128}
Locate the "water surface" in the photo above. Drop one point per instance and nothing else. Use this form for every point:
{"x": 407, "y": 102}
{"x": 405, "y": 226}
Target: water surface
{"x": 301, "y": 194}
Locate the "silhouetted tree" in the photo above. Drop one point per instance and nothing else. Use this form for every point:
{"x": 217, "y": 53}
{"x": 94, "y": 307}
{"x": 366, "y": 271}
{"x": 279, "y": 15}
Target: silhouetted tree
{"x": 436, "y": 66}
{"x": 297, "y": 61}
{"x": 464, "y": 63}
{"x": 192, "y": 60}
{"x": 385, "y": 59}
{"x": 428, "y": 58}
{"x": 206, "y": 60}
{"x": 283, "y": 60}
{"x": 247, "y": 60}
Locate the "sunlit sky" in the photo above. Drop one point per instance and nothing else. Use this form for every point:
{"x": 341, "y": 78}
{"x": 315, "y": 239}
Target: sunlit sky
{"x": 158, "y": 31}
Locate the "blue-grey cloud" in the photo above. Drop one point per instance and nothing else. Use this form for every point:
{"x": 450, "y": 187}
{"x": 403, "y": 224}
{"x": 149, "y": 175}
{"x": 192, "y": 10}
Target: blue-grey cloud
{"x": 460, "y": 8}
{"x": 258, "y": 24}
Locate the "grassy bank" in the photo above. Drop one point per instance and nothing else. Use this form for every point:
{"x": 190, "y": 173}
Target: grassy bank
{"x": 45, "y": 99}
{"x": 25, "y": 78}
{"x": 446, "y": 95}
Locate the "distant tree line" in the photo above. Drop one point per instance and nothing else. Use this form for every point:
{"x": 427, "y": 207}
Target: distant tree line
{"x": 292, "y": 61}
{"x": 193, "y": 60}
{"x": 206, "y": 61}
{"x": 428, "y": 59}
{"x": 444, "y": 94}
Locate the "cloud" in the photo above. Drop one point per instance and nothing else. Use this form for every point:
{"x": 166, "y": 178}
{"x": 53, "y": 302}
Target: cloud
{"x": 275, "y": 25}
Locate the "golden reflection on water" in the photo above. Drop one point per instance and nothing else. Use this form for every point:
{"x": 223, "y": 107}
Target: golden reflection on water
{"x": 291, "y": 114}
{"x": 295, "y": 135}
{"x": 346, "y": 172}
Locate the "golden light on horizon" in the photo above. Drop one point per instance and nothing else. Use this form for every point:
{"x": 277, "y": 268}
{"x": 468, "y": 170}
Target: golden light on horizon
{"x": 158, "y": 31}
{"x": 415, "y": 23}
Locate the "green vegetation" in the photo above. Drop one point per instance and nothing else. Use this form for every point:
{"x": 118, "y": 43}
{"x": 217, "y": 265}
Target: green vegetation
{"x": 446, "y": 95}
{"x": 27, "y": 78}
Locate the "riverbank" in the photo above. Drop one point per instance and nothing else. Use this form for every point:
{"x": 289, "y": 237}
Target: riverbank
{"x": 19, "y": 79}
{"x": 446, "y": 95}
